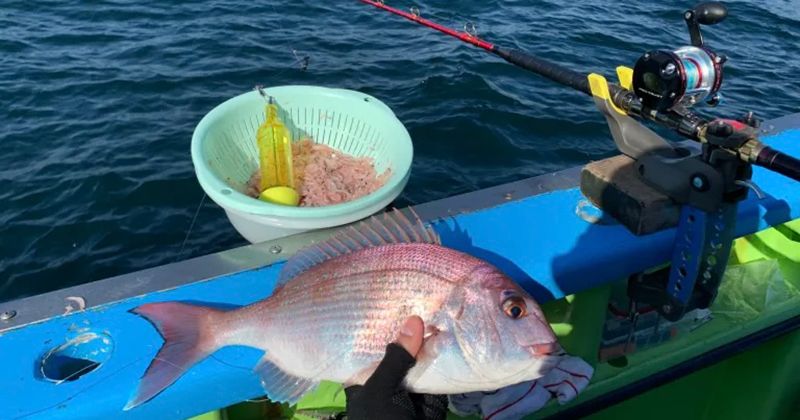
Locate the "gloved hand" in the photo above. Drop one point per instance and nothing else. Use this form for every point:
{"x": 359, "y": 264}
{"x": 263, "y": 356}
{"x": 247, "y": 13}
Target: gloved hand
{"x": 383, "y": 396}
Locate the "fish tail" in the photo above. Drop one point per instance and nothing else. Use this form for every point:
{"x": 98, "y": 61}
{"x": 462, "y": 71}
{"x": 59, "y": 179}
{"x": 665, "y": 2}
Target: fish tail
{"x": 187, "y": 340}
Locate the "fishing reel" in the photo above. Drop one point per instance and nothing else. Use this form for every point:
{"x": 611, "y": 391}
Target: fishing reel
{"x": 664, "y": 80}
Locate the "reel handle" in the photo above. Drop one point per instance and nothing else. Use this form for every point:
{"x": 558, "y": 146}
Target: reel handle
{"x": 709, "y": 13}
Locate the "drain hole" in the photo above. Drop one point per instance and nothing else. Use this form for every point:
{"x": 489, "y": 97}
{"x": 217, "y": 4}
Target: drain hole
{"x": 619, "y": 362}
{"x": 77, "y": 357}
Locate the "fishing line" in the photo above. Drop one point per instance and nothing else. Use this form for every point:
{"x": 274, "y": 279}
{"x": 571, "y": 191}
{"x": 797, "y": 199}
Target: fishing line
{"x": 191, "y": 226}
{"x": 304, "y": 60}
{"x": 247, "y": 369}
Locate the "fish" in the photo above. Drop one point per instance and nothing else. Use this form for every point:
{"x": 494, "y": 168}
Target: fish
{"x": 338, "y": 303}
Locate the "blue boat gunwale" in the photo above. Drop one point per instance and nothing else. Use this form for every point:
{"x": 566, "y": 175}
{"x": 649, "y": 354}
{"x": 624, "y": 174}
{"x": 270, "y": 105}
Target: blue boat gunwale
{"x": 40, "y": 307}
{"x": 44, "y": 306}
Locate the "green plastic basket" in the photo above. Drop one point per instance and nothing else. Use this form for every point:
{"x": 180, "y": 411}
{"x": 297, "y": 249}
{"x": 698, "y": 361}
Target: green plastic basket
{"x": 225, "y": 154}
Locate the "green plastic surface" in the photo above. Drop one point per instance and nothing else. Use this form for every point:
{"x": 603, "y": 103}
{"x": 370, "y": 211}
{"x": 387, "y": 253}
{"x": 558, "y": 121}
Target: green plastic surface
{"x": 762, "y": 383}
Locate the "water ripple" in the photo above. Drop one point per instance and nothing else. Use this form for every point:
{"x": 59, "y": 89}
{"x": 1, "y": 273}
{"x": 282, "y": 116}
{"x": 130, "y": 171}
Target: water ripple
{"x": 100, "y": 103}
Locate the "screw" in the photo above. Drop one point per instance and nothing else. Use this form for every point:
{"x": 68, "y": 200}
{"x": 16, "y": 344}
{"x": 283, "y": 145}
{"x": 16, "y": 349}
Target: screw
{"x": 275, "y": 249}
{"x": 687, "y": 15}
{"x": 7, "y": 315}
{"x": 698, "y": 182}
{"x": 666, "y": 308}
{"x": 669, "y": 69}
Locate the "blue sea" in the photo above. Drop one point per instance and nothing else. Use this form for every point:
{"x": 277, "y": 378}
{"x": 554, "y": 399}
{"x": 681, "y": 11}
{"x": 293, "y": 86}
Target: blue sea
{"x": 99, "y": 100}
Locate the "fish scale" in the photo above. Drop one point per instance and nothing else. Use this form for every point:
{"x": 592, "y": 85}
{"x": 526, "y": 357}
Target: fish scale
{"x": 339, "y": 303}
{"x": 367, "y": 333}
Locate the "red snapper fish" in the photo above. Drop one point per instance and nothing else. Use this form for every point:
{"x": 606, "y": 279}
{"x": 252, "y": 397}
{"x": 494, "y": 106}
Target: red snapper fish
{"x": 340, "y": 302}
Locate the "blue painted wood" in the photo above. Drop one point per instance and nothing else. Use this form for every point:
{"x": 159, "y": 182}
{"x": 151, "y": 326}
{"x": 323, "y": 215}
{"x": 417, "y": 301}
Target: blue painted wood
{"x": 540, "y": 241}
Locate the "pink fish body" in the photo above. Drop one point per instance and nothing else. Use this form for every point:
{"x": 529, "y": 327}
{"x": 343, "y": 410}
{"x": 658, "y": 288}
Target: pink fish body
{"x": 338, "y": 305}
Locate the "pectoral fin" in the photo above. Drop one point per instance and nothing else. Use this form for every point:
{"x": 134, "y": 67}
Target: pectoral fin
{"x": 281, "y": 386}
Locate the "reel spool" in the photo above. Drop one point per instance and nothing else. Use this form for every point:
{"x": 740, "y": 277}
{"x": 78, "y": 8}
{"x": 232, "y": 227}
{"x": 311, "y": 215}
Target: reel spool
{"x": 664, "y": 79}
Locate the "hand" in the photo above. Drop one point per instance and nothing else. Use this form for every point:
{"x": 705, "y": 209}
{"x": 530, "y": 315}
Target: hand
{"x": 383, "y": 395}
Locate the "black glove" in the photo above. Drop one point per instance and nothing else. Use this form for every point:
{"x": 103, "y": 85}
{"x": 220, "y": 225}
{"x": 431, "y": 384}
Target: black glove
{"x": 383, "y": 396}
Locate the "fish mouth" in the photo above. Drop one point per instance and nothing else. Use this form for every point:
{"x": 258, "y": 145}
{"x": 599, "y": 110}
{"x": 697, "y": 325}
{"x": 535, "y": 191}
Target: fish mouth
{"x": 546, "y": 349}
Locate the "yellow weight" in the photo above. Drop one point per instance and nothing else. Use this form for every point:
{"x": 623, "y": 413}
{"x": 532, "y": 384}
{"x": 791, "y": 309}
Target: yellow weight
{"x": 280, "y": 195}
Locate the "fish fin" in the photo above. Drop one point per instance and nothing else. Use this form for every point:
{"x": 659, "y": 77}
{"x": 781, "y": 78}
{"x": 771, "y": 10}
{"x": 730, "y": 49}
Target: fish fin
{"x": 454, "y": 304}
{"x": 391, "y": 227}
{"x": 281, "y": 386}
{"x": 434, "y": 341}
{"x": 182, "y": 327}
{"x": 361, "y": 376}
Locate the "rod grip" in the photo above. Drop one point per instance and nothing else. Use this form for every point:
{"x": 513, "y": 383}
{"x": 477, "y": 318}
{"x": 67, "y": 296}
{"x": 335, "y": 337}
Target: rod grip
{"x": 779, "y": 162}
{"x": 545, "y": 68}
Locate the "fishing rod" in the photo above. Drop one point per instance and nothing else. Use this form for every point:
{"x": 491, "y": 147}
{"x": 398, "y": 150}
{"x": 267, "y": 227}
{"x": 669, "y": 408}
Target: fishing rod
{"x": 665, "y": 84}
{"x": 706, "y": 177}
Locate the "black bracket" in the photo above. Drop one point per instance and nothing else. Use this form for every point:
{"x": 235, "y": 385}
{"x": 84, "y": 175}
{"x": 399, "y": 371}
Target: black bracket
{"x": 707, "y": 179}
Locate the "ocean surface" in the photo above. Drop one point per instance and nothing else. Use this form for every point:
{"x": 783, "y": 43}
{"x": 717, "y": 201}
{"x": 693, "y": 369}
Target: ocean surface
{"x": 99, "y": 100}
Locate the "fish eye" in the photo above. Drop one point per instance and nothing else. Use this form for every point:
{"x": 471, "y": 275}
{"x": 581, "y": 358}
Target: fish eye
{"x": 514, "y": 307}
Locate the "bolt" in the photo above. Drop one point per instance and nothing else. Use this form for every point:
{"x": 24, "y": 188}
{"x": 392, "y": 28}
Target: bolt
{"x": 666, "y": 308}
{"x": 275, "y": 249}
{"x": 687, "y": 15}
{"x": 669, "y": 69}
{"x": 7, "y": 315}
{"x": 698, "y": 182}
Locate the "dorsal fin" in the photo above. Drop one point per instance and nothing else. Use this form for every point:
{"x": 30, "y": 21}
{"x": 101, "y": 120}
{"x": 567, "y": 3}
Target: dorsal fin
{"x": 391, "y": 227}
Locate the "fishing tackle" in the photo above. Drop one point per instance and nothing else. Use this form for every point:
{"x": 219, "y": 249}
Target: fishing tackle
{"x": 706, "y": 176}
{"x": 663, "y": 79}
{"x": 624, "y": 98}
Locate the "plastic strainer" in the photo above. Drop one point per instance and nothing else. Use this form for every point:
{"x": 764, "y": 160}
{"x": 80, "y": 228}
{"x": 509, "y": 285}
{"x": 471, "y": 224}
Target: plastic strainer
{"x": 225, "y": 155}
